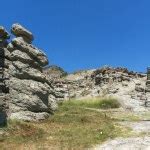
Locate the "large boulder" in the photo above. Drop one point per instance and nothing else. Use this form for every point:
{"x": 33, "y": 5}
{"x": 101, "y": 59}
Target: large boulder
{"x": 19, "y": 31}
{"x": 31, "y": 50}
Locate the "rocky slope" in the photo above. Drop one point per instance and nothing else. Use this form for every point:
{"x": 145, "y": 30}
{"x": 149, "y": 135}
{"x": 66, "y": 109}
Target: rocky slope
{"x": 127, "y": 86}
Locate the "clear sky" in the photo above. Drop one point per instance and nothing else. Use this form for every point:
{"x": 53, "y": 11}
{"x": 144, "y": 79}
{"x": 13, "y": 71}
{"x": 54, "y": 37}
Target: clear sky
{"x": 84, "y": 34}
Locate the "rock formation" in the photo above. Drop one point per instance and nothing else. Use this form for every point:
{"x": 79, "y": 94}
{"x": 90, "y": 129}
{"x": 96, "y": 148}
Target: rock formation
{"x": 3, "y": 86}
{"x": 31, "y": 95}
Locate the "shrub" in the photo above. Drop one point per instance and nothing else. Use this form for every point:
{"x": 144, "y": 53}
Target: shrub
{"x": 109, "y": 103}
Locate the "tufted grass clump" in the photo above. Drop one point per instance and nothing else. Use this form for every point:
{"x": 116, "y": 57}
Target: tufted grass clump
{"x": 99, "y": 103}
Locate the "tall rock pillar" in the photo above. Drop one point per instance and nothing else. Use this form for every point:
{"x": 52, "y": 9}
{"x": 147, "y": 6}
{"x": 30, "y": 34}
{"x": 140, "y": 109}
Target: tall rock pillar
{"x": 32, "y": 95}
{"x": 4, "y": 90}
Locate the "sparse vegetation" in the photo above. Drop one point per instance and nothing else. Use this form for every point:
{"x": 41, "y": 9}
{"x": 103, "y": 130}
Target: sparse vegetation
{"x": 18, "y": 132}
{"x": 71, "y": 127}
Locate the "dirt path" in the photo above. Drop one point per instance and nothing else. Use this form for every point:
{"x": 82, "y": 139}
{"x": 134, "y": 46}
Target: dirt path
{"x": 141, "y": 141}
{"x": 141, "y": 126}
{"x": 132, "y": 143}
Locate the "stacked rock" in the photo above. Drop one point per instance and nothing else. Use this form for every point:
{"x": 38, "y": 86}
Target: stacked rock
{"x": 32, "y": 95}
{"x": 3, "y": 86}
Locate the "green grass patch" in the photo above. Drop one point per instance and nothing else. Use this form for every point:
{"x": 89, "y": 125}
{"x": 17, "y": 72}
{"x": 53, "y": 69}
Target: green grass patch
{"x": 99, "y": 103}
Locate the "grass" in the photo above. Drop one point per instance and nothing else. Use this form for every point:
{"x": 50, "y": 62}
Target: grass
{"x": 126, "y": 116}
{"x": 82, "y": 127}
{"x": 71, "y": 127}
{"x": 99, "y": 103}
{"x": 17, "y": 133}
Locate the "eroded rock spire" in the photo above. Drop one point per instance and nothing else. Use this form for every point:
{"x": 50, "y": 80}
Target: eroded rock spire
{"x": 31, "y": 95}
{"x": 3, "y": 85}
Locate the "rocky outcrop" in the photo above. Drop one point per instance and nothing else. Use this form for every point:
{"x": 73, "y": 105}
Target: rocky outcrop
{"x": 127, "y": 86}
{"x": 32, "y": 96}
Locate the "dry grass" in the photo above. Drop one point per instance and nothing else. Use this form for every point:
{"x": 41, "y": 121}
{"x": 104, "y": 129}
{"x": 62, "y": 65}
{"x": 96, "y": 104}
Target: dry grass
{"x": 71, "y": 127}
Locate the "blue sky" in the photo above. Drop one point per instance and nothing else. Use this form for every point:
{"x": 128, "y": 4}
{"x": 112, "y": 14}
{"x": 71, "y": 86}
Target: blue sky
{"x": 84, "y": 34}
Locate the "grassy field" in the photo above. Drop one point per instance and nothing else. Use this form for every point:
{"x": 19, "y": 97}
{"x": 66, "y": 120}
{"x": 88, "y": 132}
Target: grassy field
{"x": 71, "y": 127}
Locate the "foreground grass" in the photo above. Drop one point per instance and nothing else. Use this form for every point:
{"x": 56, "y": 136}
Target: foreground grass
{"x": 71, "y": 127}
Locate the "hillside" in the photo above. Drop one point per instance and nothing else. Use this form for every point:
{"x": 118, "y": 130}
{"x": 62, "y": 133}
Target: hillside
{"x": 127, "y": 86}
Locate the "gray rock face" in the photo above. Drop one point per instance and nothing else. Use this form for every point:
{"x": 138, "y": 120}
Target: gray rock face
{"x": 31, "y": 50}
{"x": 3, "y": 74}
{"x": 31, "y": 94}
{"x": 3, "y": 115}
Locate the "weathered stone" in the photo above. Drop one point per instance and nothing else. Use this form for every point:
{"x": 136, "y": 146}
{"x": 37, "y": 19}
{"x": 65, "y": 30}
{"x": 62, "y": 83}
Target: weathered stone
{"x": 139, "y": 89}
{"x": 7, "y": 54}
{"x": 133, "y": 96}
{"x": 36, "y": 54}
{"x": 147, "y": 89}
{"x": 125, "y": 78}
{"x": 31, "y": 94}
{"x": 138, "y": 84}
{"x": 3, "y": 85}
{"x": 114, "y": 90}
{"x": 19, "y": 31}
{"x": 124, "y": 84}
{"x": 143, "y": 97}
{"x": 29, "y": 116}
{"x": 19, "y": 55}
{"x": 148, "y": 82}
